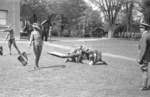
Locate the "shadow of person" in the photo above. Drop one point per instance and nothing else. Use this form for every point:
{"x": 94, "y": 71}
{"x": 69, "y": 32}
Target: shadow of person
{"x": 101, "y": 63}
{"x": 53, "y": 66}
{"x": 47, "y": 67}
{"x": 53, "y": 40}
{"x": 14, "y": 54}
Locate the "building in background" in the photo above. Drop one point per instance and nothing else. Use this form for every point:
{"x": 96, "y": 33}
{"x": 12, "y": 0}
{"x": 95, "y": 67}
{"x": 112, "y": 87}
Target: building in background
{"x": 10, "y": 14}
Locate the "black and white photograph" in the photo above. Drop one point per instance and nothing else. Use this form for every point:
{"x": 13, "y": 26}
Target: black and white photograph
{"x": 74, "y": 48}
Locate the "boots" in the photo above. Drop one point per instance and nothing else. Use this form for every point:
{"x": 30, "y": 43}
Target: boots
{"x": 145, "y": 81}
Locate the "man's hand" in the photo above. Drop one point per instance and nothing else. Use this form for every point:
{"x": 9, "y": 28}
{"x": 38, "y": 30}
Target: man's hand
{"x": 140, "y": 61}
{"x": 30, "y": 44}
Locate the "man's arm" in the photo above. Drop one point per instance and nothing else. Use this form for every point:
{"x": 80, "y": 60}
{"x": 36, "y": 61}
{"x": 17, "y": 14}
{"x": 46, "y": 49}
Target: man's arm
{"x": 5, "y": 30}
{"x": 31, "y": 38}
{"x": 7, "y": 36}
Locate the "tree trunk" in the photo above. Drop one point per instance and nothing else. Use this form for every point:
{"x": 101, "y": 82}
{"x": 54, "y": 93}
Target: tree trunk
{"x": 110, "y": 33}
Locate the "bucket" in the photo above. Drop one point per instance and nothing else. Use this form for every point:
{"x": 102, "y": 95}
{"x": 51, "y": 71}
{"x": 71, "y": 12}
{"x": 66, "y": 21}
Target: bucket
{"x": 23, "y": 58}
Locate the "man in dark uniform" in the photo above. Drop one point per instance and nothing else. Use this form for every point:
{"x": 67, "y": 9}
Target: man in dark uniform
{"x": 1, "y": 50}
{"x": 34, "y": 19}
{"x": 46, "y": 28}
{"x": 144, "y": 55}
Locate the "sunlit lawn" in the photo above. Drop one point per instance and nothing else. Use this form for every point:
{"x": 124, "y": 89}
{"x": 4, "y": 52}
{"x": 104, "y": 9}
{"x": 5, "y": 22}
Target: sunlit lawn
{"x": 121, "y": 78}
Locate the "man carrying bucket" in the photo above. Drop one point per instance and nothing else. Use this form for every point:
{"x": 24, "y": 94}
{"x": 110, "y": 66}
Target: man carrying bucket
{"x": 11, "y": 39}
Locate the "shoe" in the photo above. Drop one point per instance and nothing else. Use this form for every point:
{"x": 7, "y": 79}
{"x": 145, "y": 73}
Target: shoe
{"x": 91, "y": 63}
{"x": 145, "y": 88}
{"x": 67, "y": 61}
{"x": 36, "y": 68}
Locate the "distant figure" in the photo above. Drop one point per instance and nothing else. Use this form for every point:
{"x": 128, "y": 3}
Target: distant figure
{"x": 34, "y": 19}
{"x": 28, "y": 28}
{"x": 1, "y": 50}
{"x": 144, "y": 55}
{"x": 50, "y": 32}
{"x": 11, "y": 39}
{"x": 36, "y": 40}
{"x": 46, "y": 28}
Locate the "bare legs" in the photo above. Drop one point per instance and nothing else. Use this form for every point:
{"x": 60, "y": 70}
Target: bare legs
{"x": 37, "y": 52}
{"x": 9, "y": 46}
{"x": 12, "y": 42}
{"x": 145, "y": 80}
{"x": 145, "y": 71}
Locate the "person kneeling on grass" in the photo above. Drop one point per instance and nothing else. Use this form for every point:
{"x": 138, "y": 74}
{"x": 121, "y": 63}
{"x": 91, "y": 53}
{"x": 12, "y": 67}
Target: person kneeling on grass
{"x": 36, "y": 40}
{"x": 95, "y": 57}
{"x": 75, "y": 55}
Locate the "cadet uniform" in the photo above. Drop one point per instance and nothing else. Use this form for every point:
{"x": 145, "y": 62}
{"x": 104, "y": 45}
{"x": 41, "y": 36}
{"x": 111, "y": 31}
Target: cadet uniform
{"x": 144, "y": 56}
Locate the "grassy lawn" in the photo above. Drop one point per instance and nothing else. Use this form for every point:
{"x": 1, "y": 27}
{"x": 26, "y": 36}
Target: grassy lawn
{"x": 120, "y": 78}
{"x": 114, "y": 46}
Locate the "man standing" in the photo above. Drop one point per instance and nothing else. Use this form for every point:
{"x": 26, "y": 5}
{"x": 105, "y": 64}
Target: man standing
{"x": 28, "y": 28}
{"x": 37, "y": 42}
{"x": 144, "y": 55}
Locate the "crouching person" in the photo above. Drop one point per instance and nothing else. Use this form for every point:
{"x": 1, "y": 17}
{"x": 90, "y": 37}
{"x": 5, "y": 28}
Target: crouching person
{"x": 95, "y": 57}
{"x": 75, "y": 55}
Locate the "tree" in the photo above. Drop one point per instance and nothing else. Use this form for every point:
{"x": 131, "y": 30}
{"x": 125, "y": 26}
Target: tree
{"x": 90, "y": 22}
{"x": 110, "y": 10}
{"x": 68, "y": 11}
{"x": 126, "y": 18}
{"x": 129, "y": 7}
{"x": 146, "y": 10}
{"x": 72, "y": 10}
{"x": 31, "y": 7}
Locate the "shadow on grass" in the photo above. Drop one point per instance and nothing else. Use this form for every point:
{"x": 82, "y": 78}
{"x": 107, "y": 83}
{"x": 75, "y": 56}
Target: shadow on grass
{"x": 54, "y": 66}
{"x": 14, "y": 54}
{"x": 53, "y": 40}
{"x": 101, "y": 63}
{"x": 48, "y": 67}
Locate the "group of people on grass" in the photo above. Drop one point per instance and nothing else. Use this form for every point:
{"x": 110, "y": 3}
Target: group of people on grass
{"x": 83, "y": 53}
{"x": 37, "y": 43}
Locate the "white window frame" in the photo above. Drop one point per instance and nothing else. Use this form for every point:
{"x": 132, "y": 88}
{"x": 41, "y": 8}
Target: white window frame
{"x": 4, "y": 17}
